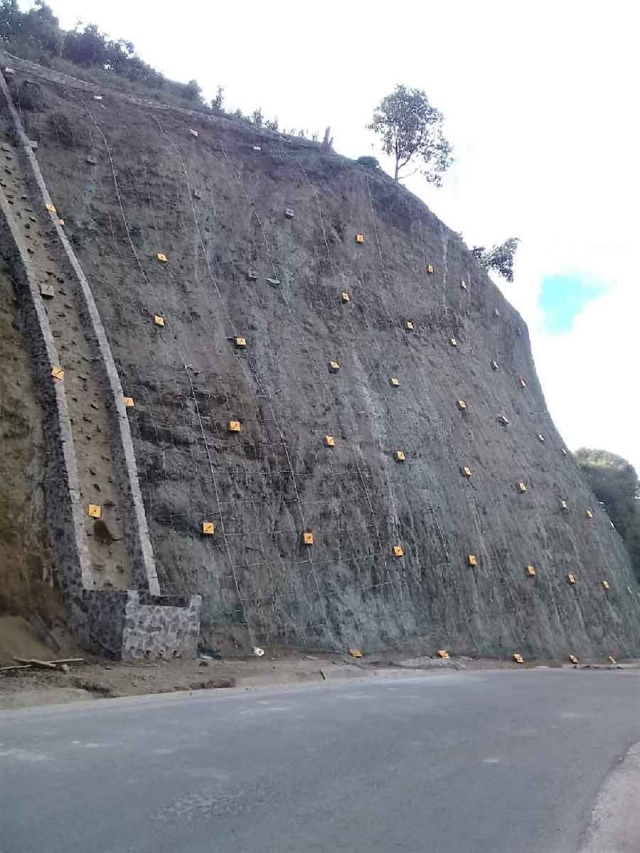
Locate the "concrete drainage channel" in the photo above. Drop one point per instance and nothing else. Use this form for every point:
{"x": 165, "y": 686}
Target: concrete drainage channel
{"x": 94, "y": 506}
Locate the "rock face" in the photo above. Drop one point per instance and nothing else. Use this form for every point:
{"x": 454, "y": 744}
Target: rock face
{"x": 271, "y": 312}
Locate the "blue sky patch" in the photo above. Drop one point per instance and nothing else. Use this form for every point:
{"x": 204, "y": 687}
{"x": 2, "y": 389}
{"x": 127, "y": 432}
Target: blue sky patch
{"x": 563, "y": 297}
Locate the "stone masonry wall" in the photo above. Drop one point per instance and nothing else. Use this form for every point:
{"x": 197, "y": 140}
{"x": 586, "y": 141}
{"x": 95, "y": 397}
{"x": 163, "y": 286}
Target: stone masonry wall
{"x": 158, "y": 629}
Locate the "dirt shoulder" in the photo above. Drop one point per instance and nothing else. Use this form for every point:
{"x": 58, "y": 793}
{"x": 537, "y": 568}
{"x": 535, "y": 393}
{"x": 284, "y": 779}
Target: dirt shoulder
{"x": 97, "y": 679}
{"x": 100, "y": 679}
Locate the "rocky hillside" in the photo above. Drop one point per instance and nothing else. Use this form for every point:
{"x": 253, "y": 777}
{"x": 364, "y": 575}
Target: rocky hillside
{"x": 322, "y": 373}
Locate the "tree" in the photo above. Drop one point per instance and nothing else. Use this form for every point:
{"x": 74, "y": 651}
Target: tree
{"x": 36, "y": 35}
{"x": 86, "y": 47}
{"x": 192, "y": 92}
{"x": 119, "y": 56}
{"x": 36, "y": 29}
{"x": 411, "y": 130}
{"x": 615, "y": 482}
{"x": 42, "y": 30}
{"x": 10, "y": 19}
{"x": 499, "y": 258}
{"x": 368, "y": 161}
{"x": 257, "y": 118}
{"x": 217, "y": 103}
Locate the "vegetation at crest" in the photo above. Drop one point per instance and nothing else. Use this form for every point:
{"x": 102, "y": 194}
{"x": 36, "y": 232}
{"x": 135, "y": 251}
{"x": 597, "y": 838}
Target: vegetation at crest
{"x": 615, "y": 483}
{"x": 368, "y": 161}
{"x": 412, "y": 133}
{"x": 499, "y": 258}
{"x": 88, "y": 53}
{"x": 411, "y": 130}
{"x": 37, "y": 35}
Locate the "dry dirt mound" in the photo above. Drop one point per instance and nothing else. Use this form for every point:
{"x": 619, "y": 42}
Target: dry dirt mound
{"x": 21, "y": 638}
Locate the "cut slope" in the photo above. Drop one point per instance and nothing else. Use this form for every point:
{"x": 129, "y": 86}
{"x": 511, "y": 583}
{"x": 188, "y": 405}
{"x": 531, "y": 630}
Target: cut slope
{"x": 215, "y": 207}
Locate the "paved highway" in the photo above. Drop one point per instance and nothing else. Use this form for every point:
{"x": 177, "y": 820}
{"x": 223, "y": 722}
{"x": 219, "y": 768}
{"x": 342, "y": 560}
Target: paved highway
{"x": 477, "y": 762}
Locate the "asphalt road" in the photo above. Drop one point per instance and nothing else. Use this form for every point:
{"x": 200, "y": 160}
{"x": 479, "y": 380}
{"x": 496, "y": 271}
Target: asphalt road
{"x": 478, "y": 762}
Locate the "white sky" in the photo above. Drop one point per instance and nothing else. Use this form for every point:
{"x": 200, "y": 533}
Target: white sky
{"x": 541, "y": 104}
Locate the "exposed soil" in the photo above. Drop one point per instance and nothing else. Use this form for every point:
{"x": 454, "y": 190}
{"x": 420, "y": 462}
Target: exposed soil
{"x": 33, "y": 638}
{"x": 106, "y": 680}
{"x": 101, "y": 680}
{"x": 26, "y": 569}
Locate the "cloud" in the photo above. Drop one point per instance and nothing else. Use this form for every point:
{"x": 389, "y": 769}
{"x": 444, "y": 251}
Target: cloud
{"x": 590, "y": 375}
{"x": 563, "y": 296}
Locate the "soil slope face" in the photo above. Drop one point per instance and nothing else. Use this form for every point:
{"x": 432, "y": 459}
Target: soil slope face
{"x": 259, "y": 232}
{"x": 26, "y": 569}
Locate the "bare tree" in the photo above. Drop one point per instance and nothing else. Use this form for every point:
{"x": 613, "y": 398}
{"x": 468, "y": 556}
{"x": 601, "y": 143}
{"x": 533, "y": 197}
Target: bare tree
{"x": 327, "y": 142}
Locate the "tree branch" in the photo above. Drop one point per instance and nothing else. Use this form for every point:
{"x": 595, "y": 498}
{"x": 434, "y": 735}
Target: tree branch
{"x": 411, "y": 173}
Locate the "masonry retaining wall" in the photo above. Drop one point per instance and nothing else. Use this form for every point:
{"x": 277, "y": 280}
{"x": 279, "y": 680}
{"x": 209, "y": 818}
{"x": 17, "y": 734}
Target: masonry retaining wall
{"x": 136, "y": 530}
{"x": 117, "y": 623}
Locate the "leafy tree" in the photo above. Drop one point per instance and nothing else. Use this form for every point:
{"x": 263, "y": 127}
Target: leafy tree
{"x": 411, "y": 130}
{"x": 41, "y": 28}
{"x": 43, "y": 12}
{"x": 615, "y": 483}
{"x": 257, "y": 118}
{"x": 499, "y": 258}
{"x": 119, "y": 55}
{"x": 192, "y": 92}
{"x": 10, "y": 19}
{"x": 272, "y": 124}
{"x": 86, "y": 47}
{"x": 36, "y": 29}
